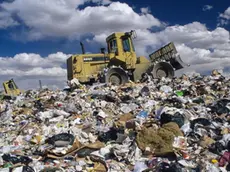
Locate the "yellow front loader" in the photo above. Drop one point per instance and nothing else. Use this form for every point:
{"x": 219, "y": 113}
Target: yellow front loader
{"x": 121, "y": 64}
{"x": 11, "y": 89}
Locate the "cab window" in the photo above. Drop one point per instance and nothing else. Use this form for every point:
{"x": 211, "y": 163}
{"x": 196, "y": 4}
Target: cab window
{"x": 11, "y": 85}
{"x": 126, "y": 45}
{"x": 113, "y": 46}
{"x": 132, "y": 45}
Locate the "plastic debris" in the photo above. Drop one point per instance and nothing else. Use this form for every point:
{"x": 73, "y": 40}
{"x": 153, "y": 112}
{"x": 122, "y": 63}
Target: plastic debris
{"x": 158, "y": 125}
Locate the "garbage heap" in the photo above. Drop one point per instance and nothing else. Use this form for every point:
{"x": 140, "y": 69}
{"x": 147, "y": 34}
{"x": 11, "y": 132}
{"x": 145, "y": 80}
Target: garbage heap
{"x": 179, "y": 124}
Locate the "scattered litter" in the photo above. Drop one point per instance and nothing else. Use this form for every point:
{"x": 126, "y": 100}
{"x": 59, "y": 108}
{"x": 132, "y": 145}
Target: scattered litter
{"x": 157, "y": 125}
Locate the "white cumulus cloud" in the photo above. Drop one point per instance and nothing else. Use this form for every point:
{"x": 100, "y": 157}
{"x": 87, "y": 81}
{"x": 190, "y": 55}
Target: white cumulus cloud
{"x": 27, "y": 69}
{"x": 145, "y": 10}
{"x": 207, "y": 7}
{"x": 58, "y": 18}
{"x": 6, "y": 20}
{"x": 199, "y": 46}
{"x": 225, "y": 17}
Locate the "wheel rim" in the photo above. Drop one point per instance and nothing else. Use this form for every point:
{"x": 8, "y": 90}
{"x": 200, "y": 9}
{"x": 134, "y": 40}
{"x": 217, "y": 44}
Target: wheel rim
{"x": 163, "y": 69}
{"x": 161, "y": 73}
{"x": 115, "y": 79}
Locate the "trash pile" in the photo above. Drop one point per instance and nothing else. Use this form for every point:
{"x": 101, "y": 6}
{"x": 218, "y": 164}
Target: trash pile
{"x": 177, "y": 125}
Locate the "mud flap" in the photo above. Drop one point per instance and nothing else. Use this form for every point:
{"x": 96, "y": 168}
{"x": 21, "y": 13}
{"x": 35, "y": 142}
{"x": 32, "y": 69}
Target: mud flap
{"x": 116, "y": 76}
{"x": 163, "y": 69}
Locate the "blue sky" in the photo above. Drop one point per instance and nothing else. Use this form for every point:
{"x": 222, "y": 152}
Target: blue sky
{"x": 172, "y": 12}
{"x": 35, "y": 33}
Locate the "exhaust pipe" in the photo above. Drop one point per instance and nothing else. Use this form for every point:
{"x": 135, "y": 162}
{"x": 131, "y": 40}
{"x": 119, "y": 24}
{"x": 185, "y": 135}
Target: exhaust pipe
{"x": 82, "y": 48}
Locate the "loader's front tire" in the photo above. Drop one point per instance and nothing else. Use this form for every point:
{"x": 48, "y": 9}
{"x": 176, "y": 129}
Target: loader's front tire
{"x": 163, "y": 69}
{"x": 117, "y": 76}
{"x": 115, "y": 79}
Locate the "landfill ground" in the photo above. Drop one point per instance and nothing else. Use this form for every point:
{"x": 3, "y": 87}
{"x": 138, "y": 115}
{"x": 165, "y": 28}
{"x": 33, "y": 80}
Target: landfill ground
{"x": 168, "y": 125}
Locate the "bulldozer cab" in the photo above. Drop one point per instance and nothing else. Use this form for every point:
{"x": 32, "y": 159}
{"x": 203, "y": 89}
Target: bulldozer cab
{"x": 121, "y": 50}
{"x": 11, "y": 88}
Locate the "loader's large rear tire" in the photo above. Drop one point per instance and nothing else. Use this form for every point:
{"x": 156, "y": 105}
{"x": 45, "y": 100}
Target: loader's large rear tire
{"x": 117, "y": 76}
{"x": 163, "y": 69}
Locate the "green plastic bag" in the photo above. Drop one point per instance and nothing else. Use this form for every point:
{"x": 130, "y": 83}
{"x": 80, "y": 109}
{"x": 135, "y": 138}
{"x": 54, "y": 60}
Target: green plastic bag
{"x": 179, "y": 93}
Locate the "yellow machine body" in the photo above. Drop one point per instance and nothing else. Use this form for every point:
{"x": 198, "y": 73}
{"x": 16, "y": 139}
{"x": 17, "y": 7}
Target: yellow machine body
{"x": 122, "y": 62}
{"x": 11, "y": 89}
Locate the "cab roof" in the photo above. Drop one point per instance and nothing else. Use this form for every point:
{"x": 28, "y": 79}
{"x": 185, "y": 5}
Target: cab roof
{"x": 115, "y": 34}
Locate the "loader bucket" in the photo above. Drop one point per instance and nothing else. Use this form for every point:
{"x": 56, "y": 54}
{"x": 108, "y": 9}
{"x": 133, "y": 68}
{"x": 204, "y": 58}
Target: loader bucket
{"x": 163, "y": 69}
{"x": 177, "y": 63}
{"x": 117, "y": 76}
{"x": 169, "y": 54}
